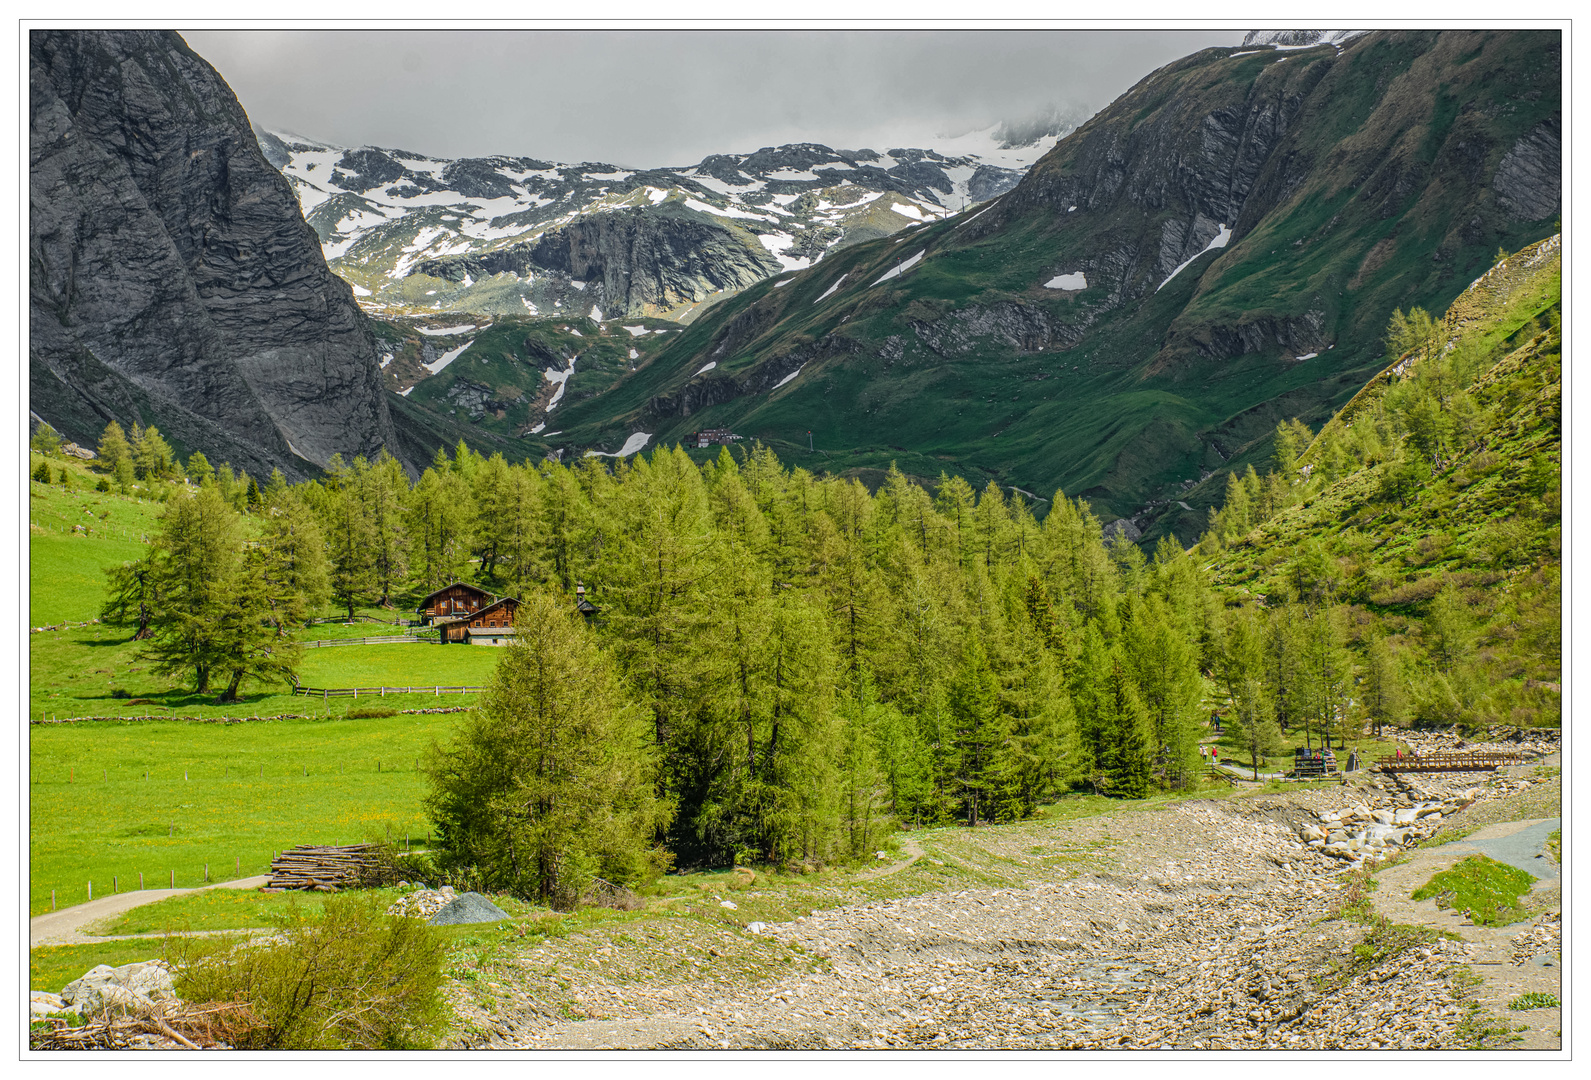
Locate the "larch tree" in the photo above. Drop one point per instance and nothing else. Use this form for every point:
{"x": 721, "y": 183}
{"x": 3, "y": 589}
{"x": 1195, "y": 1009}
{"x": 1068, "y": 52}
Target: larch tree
{"x": 550, "y": 782}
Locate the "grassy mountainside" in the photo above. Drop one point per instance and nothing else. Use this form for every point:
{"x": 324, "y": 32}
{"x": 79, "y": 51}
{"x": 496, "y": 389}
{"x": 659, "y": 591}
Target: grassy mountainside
{"x": 1343, "y": 182}
{"x": 1431, "y": 504}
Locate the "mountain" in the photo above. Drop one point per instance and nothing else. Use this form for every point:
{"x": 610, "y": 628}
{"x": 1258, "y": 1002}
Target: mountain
{"x": 517, "y": 235}
{"x": 173, "y": 281}
{"x": 1217, "y": 250}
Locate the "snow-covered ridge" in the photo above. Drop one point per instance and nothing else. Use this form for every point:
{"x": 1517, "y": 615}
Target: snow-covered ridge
{"x": 381, "y": 213}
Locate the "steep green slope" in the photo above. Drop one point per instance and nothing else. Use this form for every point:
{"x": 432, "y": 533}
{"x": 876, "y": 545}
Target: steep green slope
{"x": 1431, "y": 504}
{"x": 1344, "y": 183}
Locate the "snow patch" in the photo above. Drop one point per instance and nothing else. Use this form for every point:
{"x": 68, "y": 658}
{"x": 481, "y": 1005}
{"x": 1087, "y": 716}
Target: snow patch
{"x": 637, "y": 331}
{"x": 631, "y": 445}
{"x": 538, "y": 428}
{"x": 787, "y": 378}
{"x": 1069, "y": 282}
{"x": 1307, "y": 356}
{"x": 596, "y": 313}
{"x": 385, "y": 360}
{"x": 360, "y": 290}
{"x": 634, "y": 355}
{"x": 706, "y": 368}
{"x": 831, "y": 288}
{"x": 782, "y": 284}
{"x": 442, "y": 331}
{"x": 553, "y": 375}
{"x": 579, "y": 285}
{"x": 575, "y": 332}
{"x": 532, "y": 308}
{"x": 727, "y": 211}
{"x": 1222, "y": 237}
{"x": 446, "y": 358}
{"x": 901, "y": 269}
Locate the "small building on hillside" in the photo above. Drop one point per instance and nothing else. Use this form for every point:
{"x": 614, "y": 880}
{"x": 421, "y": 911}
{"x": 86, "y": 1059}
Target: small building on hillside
{"x": 713, "y": 436}
{"x": 491, "y": 625}
{"x": 583, "y": 602}
{"x": 456, "y": 601}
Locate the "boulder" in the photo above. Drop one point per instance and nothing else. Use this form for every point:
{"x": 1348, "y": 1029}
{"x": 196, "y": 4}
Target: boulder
{"x": 130, "y": 990}
{"x": 43, "y": 1003}
{"x": 1426, "y": 810}
{"x": 1382, "y": 816}
{"x": 1311, "y": 832}
{"x": 471, "y": 907}
{"x": 1405, "y": 817}
{"x": 1337, "y": 836}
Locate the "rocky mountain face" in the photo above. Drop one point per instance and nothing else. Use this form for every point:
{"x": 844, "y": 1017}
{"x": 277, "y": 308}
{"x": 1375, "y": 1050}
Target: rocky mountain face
{"x": 1217, "y": 250}
{"x": 173, "y": 281}
{"x": 512, "y": 236}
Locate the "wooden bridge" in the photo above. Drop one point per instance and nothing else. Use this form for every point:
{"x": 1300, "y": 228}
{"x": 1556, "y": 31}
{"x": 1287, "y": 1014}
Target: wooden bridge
{"x": 1472, "y": 761}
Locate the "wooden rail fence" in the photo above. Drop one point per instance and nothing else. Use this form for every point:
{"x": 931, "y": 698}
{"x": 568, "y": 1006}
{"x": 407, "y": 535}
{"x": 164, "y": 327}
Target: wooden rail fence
{"x": 325, "y": 693}
{"x": 380, "y": 639}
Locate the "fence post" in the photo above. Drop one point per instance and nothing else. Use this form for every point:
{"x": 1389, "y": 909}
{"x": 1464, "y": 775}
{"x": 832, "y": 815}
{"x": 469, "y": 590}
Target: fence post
{"x": 140, "y": 881}
{"x": 173, "y": 879}
{"x": 52, "y": 899}
{"x": 91, "y": 890}
{"x": 113, "y": 883}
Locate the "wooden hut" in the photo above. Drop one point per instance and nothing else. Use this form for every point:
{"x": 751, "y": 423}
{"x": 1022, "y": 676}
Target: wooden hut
{"x": 491, "y": 625}
{"x": 456, "y": 601}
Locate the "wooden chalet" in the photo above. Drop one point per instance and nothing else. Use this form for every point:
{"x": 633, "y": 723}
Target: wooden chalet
{"x": 451, "y": 602}
{"x": 491, "y": 625}
{"x": 713, "y": 436}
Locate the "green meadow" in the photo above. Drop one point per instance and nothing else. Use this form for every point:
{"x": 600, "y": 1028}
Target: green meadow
{"x": 168, "y": 795}
{"x": 162, "y": 797}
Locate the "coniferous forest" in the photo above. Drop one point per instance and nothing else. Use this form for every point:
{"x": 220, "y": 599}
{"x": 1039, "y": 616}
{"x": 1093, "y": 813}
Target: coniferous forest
{"x": 786, "y": 666}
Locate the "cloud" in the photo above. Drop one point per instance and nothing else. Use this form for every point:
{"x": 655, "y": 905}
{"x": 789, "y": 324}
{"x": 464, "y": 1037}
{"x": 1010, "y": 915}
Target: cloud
{"x": 670, "y": 97}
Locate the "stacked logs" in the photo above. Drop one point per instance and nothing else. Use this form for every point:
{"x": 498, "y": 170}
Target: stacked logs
{"x": 324, "y": 868}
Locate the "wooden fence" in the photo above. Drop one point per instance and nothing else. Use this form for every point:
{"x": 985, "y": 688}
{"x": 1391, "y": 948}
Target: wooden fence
{"x": 380, "y": 639}
{"x": 325, "y": 693}
{"x": 361, "y": 618}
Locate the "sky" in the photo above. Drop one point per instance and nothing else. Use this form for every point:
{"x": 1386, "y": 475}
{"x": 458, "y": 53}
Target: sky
{"x": 644, "y": 98}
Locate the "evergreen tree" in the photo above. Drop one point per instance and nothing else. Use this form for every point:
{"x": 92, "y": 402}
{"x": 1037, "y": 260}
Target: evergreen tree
{"x": 549, "y": 783}
{"x": 1129, "y": 735}
{"x": 380, "y": 489}
{"x": 1382, "y": 693}
{"x": 194, "y": 563}
{"x": 152, "y": 455}
{"x": 1254, "y": 724}
{"x": 1164, "y": 668}
{"x": 980, "y": 737}
{"x": 440, "y": 519}
{"x": 199, "y": 470}
{"x": 863, "y": 790}
{"x": 350, "y": 550}
{"x": 113, "y": 447}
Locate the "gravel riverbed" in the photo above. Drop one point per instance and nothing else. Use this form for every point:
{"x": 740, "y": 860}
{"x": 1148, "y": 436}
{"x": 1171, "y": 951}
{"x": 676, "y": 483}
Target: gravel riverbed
{"x": 1200, "y": 924}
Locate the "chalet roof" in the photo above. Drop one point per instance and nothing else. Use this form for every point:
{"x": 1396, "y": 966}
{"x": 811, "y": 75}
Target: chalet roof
{"x": 455, "y": 585}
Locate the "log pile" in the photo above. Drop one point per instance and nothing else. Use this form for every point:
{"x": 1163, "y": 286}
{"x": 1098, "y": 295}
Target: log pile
{"x": 324, "y": 868}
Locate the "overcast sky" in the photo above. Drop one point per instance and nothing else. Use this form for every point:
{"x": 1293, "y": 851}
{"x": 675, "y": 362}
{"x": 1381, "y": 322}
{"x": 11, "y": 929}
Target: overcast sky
{"x": 670, "y": 97}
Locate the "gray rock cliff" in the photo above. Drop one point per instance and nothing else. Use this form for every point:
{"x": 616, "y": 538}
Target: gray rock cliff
{"x": 173, "y": 280}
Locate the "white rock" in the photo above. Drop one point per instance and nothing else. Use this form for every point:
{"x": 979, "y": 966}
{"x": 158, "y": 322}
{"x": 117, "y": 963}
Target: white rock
{"x": 730, "y": 904}
{"x": 1404, "y": 817}
{"x": 43, "y": 1003}
{"x": 756, "y": 927}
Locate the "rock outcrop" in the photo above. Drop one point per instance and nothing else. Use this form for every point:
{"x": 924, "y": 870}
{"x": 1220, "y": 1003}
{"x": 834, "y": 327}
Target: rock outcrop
{"x": 636, "y": 264}
{"x": 173, "y": 280}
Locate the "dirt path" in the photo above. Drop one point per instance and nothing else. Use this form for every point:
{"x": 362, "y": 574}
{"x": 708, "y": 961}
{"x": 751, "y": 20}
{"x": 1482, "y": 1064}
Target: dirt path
{"x": 913, "y": 851}
{"x": 64, "y": 927}
{"x": 1203, "y": 924}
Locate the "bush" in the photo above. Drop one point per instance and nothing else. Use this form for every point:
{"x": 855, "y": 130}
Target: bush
{"x": 374, "y": 712}
{"x": 42, "y": 473}
{"x": 351, "y": 978}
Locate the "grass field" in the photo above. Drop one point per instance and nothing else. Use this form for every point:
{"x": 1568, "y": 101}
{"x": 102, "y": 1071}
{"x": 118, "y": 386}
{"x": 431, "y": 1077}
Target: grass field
{"x": 229, "y": 795}
{"x": 95, "y": 671}
{"x": 66, "y": 568}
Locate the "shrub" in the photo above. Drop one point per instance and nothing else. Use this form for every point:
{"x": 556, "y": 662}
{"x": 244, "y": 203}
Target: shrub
{"x": 374, "y": 712}
{"x": 1535, "y": 1000}
{"x": 352, "y": 977}
{"x": 42, "y": 473}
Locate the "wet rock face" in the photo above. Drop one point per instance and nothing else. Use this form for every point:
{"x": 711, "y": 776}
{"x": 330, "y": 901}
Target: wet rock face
{"x": 173, "y": 280}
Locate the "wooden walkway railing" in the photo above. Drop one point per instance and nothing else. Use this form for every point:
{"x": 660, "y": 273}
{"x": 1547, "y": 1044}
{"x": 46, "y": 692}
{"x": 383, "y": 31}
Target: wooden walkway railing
{"x": 1474, "y": 761}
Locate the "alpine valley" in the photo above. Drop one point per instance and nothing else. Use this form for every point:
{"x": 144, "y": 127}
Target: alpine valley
{"x": 1124, "y": 311}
